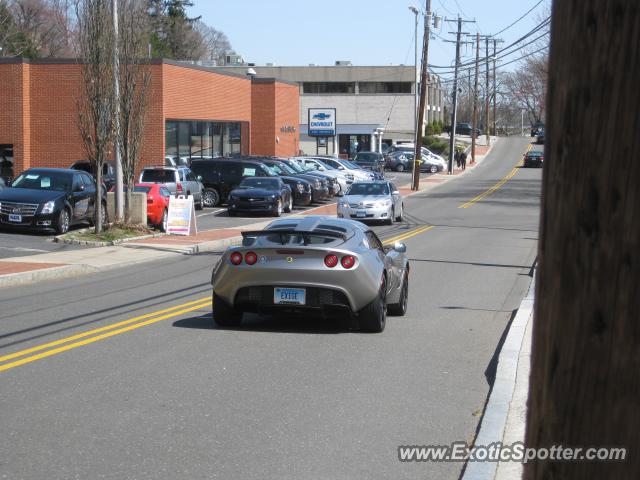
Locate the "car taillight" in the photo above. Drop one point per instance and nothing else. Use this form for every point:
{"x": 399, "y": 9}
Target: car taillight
{"x": 149, "y": 199}
{"x": 330, "y": 261}
{"x": 179, "y": 187}
{"x": 236, "y": 258}
{"x": 348, "y": 261}
{"x": 250, "y": 258}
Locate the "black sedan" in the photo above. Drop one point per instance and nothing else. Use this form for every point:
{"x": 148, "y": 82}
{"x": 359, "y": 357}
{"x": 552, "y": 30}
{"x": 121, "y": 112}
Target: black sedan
{"x": 317, "y": 190}
{"x": 373, "y": 161}
{"x": 108, "y": 171}
{"x": 533, "y": 159}
{"x": 267, "y": 195}
{"x": 50, "y": 198}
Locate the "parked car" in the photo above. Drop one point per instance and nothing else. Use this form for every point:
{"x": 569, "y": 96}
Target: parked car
{"x": 108, "y": 171}
{"x": 403, "y": 161}
{"x": 427, "y": 156}
{"x": 316, "y": 191}
{"x": 540, "y": 136}
{"x": 534, "y": 158}
{"x": 373, "y": 161}
{"x": 178, "y": 180}
{"x": 535, "y": 128}
{"x": 378, "y": 200}
{"x": 157, "y": 203}
{"x": 462, "y": 129}
{"x": 357, "y": 173}
{"x": 344, "y": 178}
{"x": 50, "y": 198}
{"x": 300, "y": 188}
{"x": 315, "y": 264}
{"x": 2, "y": 184}
{"x": 331, "y": 178}
{"x": 328, "y": 185}
{"x": 260, "y": 195}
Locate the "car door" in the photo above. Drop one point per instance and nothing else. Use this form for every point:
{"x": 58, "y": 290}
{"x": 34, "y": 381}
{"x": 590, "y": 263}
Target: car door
{"x": 90, "y": 189}
{"x": 79, "y": 199}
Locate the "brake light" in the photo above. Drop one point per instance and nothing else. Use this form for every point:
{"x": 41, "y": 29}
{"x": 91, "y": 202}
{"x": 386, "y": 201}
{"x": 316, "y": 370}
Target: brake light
{"x": 179, "y": 187}
{"x": 236, "y": 258}
{"x": 149, "y": 199}
{"x": 348, "y": 261}
{"x": 330, "y": 260}
{"x": 250, "y": 258}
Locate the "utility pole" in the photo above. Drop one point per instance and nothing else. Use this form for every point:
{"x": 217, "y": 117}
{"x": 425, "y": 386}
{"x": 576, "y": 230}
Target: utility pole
{"x": 454, "y": 113}
{"x": 486, "y": 94}
{"x": 423, "y": 94}
{"x": 474, "y": 117}
{"x": 119, "y": 197}
{"x": 416, "y": 12}
{"x": 495, "y": 90}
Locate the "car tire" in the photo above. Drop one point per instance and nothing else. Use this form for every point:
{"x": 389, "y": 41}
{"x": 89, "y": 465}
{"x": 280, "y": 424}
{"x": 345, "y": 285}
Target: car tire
{"x": 64, "y": 220}
{"x": 373, "y": 317}
{"x": 231, "y": 213}
{"x": 278, "y": 209}
{"x": 210, "y": 197}
{"x": 400, "y": 167}
{"x": 400, "y": 217}
{"x": 105, "y": 217}
{"x": 389, "y": 221}
{"x": 289, "y": 207}
{"x": 400, "y": 308}
{"x": 434, "y": 169}
{"x": 225, "y": 315}
{"x": 199, "y": 205}
{"x": 165, "y": 220}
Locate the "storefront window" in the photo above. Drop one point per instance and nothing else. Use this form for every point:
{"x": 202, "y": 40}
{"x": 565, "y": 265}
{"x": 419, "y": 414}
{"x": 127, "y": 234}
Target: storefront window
{"x": 171, "y": 136}
{"x": 195, "y": 139}
{"x": 217, "y": 139}
{"x": 184, "y": 147}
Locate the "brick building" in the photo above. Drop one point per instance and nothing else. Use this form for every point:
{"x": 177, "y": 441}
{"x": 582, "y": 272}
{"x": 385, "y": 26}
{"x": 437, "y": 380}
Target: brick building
{"x": 192, "y": 112}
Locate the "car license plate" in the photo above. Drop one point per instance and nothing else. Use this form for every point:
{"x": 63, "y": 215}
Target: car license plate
{"x": 361, "y": 214}
{"x": 14, "y": 217}
{"x": 289, "y": 296}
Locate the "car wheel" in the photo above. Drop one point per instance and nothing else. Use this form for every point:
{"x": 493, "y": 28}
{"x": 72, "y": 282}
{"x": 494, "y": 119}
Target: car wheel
{"x": 400, "y": 167}
{"x": 278, "y": 210}
{"x": 224, "y": 315}
{"x": 103, "y": 214}
{"x": 400, "y": 308}
{"x": 434, "y": 169}
{"x": 399, "y": 217}
{"x": 373, "y": 317}
{"x": 389, "y": 221}
{"x": 290, "y": 205}
{"x": 200, "y": 205}
{"x": 210, "y": 198}
{"x": 63, "y": 222}
{"x": 231, "y": 213}
{"x": 165, "y": 221}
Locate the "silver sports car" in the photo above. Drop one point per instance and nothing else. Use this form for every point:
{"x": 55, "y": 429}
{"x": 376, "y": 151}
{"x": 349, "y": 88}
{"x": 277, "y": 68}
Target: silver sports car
{"x": 328, "y": 265}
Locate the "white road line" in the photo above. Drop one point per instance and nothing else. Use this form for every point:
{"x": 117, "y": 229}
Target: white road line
{"x": 211, "y": 213}
{"x": 22, "y": 249}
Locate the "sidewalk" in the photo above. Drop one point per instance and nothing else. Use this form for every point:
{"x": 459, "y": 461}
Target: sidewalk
{"x": 46, "y": 266}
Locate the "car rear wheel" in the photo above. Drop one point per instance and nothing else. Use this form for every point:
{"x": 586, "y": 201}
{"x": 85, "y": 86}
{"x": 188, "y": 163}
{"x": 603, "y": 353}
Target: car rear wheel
{"x": 165, "y": 221}
{"x": 400, "y": 308}
{"x": 290, "y": 205}
{"x": 210, "y": 198}
{"x": 434, "y": 169}
{"x": 373, "y": 317}
{"x": 400, "y": 167}
{"x": 389, "y": 221}
{"x": 64, "y": 220}
{"x": 223, "y": 314}
{"x": 200, "y": 205}
{"x": 400, "y": 216}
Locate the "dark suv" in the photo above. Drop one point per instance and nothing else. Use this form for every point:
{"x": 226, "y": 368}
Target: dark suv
{"x": 221, "y": 175}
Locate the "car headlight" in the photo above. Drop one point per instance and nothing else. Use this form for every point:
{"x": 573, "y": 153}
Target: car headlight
{"x": 385, "y": 203}
{"x": 300, "y": 187}
{"x": 273, "y": 196}
{"x": 48, "y": 207}
{"x": 343, "y": 204}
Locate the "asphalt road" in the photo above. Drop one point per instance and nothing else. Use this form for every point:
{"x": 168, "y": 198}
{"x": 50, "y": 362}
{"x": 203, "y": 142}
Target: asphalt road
{"x": 171, "y": 396}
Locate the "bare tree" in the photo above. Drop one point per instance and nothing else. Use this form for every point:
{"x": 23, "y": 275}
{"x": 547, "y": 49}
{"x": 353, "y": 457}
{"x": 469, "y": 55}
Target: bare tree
{"x": 96, "y": 104}
{"x": 135, "y": 78}
{"x": 216, "y": 43}
{"x": 585, "y": 372}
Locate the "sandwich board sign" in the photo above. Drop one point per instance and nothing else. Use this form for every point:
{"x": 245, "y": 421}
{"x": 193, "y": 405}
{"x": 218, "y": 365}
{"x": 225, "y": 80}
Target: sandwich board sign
{"x": 182, "y": 216}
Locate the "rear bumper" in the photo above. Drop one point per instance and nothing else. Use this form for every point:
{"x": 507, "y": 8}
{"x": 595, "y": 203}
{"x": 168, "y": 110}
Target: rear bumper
{"x": 260, "y": 299}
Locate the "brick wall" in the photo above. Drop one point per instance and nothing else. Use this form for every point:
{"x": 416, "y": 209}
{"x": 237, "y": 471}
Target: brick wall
{"x": 275, "y": 106}
{"x": 12, "y": 102}
{"x": 287, "y": 101}
{"x": 263, "y": 129}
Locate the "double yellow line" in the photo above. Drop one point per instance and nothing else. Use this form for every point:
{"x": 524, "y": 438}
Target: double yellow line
{"x": 97, "y": 334}
{"x": 488, "y": 192}
{"x": 409, "y": 234}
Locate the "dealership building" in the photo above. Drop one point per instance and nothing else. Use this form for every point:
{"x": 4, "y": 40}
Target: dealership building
{"x": 192, "y": 112}
{"x": 368, "y": 101}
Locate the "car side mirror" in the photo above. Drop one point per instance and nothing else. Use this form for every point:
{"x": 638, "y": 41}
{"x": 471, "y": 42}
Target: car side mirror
{"x": 400, "y": 247}
{"x": 322, "y": 169}
{"x": 395, "y": 192}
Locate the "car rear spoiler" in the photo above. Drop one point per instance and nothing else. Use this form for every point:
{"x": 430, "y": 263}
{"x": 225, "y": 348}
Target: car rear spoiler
{"x": 305, "y": 234}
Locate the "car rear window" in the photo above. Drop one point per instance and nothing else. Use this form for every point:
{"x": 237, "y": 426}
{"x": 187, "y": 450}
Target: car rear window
{"x": 158, "y": 176}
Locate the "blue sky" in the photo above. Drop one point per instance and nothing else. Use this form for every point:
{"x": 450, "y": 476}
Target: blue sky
{"x": 367, "y": 32}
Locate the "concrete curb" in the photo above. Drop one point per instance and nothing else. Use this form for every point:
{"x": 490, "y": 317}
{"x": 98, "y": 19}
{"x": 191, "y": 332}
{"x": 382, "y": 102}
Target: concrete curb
{"x": 494, "y": 419}
{"x": 89, "y": 243}
{"x": 53, "y": 273}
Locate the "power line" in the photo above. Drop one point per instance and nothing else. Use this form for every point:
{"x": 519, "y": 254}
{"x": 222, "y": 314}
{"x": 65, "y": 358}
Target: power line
{"x": 520, "y": 18}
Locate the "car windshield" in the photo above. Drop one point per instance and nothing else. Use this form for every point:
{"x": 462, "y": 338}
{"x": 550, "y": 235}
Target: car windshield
{"x": 366, "y": 157}
{"x": 368, "y": 189}
{"x": 254, "y": 182}
{"x": 44, "y": 181}
{"x": 297, "y": 168}
{"x": 351, "y": 165}
{"x": 158, "y": 176}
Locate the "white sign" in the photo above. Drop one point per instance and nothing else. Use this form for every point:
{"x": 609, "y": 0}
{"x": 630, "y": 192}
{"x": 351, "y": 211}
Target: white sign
{"x": 182, "y": 216}
{"x": 322, "y": 122}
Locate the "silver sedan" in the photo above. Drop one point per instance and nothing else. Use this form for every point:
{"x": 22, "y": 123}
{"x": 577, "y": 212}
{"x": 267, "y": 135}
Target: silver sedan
{"x": 375, "y": 201}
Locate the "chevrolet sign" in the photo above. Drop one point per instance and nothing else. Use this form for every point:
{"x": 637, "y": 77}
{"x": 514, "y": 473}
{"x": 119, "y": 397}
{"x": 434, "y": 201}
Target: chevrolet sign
{"x": 322, "y": 122}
